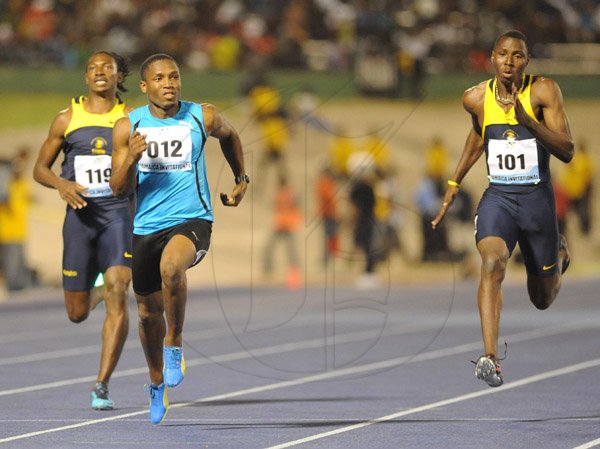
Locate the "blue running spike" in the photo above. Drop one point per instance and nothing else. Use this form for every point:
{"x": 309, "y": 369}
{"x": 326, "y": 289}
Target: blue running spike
{"x": 173, "y": 365}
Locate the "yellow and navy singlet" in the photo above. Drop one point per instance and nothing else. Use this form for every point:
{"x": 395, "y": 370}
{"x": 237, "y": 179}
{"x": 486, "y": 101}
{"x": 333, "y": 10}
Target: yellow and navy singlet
{"x": 87, "y": 148}
{"x": 515, "y": 159}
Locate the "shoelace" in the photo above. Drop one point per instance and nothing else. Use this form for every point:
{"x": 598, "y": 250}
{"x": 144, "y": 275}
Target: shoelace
{"x": 151, "y": 389}
{"x": 101, "y": 390}
{"x": 174, "y": 362}
{"x": 496, "y": 359}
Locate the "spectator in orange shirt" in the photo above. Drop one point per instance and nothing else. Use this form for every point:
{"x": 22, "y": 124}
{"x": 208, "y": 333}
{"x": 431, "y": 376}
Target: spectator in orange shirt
{"x": 326, "y": 190}
{"x": 286, "y": 220}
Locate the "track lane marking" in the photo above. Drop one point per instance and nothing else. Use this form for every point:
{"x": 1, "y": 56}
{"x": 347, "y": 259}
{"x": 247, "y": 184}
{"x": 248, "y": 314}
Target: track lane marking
{"x": 465, "y": 397}
{"x": 306, "y": 344}
{"x": 589, "y": 444}
{"x": 350, "y": 337}
{"x": 386, "y": 364}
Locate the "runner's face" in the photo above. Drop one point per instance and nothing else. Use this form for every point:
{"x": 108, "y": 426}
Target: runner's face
{"x": 101, "y": 73}
{"x": 510, "y": 59}
{"x": 162, "y": 84}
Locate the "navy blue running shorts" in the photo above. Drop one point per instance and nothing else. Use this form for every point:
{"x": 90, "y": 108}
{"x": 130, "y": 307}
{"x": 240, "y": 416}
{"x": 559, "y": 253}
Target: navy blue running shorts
{"x": 527, "y": 218}
{"x": 147, "y": 252}
{"x": 93, "y": 241}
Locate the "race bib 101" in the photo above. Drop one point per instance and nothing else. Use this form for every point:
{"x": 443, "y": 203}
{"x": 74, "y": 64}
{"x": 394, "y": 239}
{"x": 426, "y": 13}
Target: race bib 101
{"x": 513, "y": 161}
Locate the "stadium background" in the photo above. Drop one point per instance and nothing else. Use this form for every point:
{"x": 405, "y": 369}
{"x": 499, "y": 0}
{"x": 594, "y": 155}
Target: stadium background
{"x": 40, "y": 72}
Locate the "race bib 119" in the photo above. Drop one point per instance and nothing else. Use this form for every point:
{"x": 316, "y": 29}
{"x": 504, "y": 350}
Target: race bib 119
{"x": 93, "y": 172}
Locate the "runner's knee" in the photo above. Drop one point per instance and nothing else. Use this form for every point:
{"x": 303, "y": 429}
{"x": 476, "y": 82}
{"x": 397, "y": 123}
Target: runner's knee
{"x": 117, "y": 289}
{"x": 540, "y": 300}
{"x": 542, "y": 292}
{"x": 76, "y": 311}
{"x": 149, "y": 317}
{"x": 493, "y": 263}
{"x": 172, "y": 275}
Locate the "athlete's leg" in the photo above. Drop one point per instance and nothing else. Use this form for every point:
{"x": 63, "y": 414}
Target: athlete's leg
{"x": 96, "y": 296}
{"x": 544, "y": 289}
{"x": 269, "y": 252}
{"x": 77, "y": 304}
{"x": 179, "y": 254}
{"x": 77, "y": 264}
{"x": 545, "y": 251}
{"x": 152, "y": 328}
{"x": 116, "y": 322}
{"x": 494, "y": 258}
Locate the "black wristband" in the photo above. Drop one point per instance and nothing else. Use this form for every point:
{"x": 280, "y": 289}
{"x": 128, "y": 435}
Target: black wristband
{"x": 241, "y": 178}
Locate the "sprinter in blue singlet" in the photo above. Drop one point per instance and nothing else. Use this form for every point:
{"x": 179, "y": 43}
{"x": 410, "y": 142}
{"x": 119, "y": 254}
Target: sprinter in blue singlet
{"x": 159, "y": 154}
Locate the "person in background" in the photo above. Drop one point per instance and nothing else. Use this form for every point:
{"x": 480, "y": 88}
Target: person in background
{"x": 287, "y": 217}
{"x": 273, "y": 126}
{"x": 427, "y": 199}
{"x": 563, "y": 205}
{"x": 13, "y": 226}
{"x": 361, "y": 168}
{"x": 577, "y": 181}
{"x": 378, "y": 148}
{"x": 387, "y": 208}
{"x": 341, "y": 149}
{"x": 326, "y": 192}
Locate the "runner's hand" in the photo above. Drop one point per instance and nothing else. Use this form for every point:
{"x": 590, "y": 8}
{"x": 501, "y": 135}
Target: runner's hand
{"x": 137, "y": 146}
{"x": 72, "y": 193}
{"x": 520, "y": 114}
{"x": 236, "y": 196}
{"x": 449, "y": 197}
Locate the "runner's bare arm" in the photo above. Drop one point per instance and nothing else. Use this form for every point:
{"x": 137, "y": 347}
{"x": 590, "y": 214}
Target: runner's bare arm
{"x": 553, "y": 131}
{"x": 217, "y": 126}
{"x": 69, "y": 191}
{"x": 472, "y": 102}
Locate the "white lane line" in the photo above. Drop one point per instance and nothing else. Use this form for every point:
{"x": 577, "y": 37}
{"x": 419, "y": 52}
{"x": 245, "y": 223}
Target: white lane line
{"x": 433, "y": 405}
{"x": 318, "y": 342}
{"x": 189, "y": 338}
{"x": 92, "y": 349}
{"x": 589, "y": 444}
{"x": 538, "y": 333}
{"x": 49, "y": 355}
{"x": 71, "y": 426}
{"x": 235, "y": 356}
{"x": 47, "y": 334}
{"x": 528, "y": 380}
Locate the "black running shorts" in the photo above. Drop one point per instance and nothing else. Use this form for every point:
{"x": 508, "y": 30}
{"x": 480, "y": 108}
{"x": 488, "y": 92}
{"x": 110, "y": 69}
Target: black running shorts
{"x": 147, "y": 252}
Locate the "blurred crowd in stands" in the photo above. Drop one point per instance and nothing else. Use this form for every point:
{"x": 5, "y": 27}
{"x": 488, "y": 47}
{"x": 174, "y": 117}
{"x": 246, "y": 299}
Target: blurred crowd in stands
{"x": 411, "y": 37}
{"x": 316, "y": 34}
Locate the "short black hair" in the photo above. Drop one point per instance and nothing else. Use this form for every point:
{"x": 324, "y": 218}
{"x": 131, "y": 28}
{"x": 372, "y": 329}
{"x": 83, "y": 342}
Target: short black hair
{"x": 153, "y": 58}
{"x": 122, "y": 66}
{"x": 516, "y": 34}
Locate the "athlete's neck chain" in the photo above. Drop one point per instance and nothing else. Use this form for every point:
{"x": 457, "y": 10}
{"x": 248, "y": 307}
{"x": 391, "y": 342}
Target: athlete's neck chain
{"x": 505, "y": 101}
{"x": 509, "y": 100}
